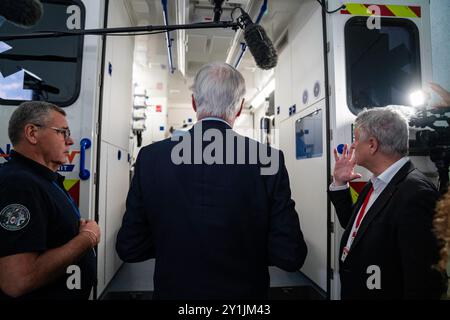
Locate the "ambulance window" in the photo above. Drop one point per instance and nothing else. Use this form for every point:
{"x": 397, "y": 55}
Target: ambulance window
{"x": 383, "y": 65}
{"x": 43, "y": 68}
{"x": 308, "y": 136}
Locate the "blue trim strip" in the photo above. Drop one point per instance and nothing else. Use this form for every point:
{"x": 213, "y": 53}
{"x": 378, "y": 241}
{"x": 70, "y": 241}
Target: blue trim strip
{"x": 262, "y": 11}
{"x": 243, "y": 50}
{"x": 168, "y": 39}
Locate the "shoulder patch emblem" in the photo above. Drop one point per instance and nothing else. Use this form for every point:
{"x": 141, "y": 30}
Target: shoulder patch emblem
{"x": 14, "y": 217}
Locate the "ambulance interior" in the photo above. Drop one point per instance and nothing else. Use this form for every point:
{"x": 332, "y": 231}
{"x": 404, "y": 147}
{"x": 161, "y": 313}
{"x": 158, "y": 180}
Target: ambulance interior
{"x": 162, "y": 84}
{"x": 135, "y": 90}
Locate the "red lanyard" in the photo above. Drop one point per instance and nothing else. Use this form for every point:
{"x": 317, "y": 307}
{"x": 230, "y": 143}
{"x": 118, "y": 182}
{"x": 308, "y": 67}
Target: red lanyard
{"x": 363, "y": 208}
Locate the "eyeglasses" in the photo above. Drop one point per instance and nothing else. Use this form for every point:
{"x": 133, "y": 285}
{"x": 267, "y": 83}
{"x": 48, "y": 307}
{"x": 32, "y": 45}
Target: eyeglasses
{"x": 64, "y": 131}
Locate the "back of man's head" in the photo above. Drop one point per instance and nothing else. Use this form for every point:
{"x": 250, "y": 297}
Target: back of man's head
{"x": 218, "y": 89}
{"x": 35, "y": 112}
{"x": 388, "y": 126}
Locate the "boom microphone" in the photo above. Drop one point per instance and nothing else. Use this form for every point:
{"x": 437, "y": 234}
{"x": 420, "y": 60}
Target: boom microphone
{"x": 258, "y": 42}
{"x": 23, "y": 13}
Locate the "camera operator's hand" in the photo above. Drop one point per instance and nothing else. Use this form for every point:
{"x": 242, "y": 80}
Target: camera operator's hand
{"x": 444, "y": 94}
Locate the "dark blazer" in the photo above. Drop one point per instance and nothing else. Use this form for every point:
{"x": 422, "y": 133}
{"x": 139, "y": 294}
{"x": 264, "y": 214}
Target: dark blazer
{"x": 213, "y": 229}
{"x": 395, "y": 235}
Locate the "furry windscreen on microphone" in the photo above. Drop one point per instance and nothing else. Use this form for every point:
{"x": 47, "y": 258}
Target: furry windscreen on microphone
{"x": 260, "y": 46}
{"x": 23, "y": 13}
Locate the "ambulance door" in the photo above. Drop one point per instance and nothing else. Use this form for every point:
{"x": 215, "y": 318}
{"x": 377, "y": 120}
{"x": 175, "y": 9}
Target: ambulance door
{"x": 115, "y": 131}
{"x": 64, "y": 71}
{"x": 380, "y": 53}
{"x": 300, "y": 84}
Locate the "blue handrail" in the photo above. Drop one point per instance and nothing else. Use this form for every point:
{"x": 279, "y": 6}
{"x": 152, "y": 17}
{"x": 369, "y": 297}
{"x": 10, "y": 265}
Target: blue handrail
{"x": 84, "y": 144}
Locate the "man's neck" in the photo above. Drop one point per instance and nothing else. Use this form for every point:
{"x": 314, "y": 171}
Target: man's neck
{"x": 39, "y": 158}
{"x": 382, "y": 163}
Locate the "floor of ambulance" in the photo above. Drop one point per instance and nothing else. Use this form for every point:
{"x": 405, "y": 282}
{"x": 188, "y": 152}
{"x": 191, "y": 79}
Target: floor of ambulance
{"x": 134, "y": 281}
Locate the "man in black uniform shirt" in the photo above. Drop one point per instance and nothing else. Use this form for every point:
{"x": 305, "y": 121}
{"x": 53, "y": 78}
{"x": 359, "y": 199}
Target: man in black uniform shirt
{"x": 45, "y": 245}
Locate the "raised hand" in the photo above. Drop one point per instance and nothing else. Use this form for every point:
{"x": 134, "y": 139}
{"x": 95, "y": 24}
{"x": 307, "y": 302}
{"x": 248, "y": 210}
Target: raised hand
{"x": 444, "y": 94}
{"x": 344, "y": 166}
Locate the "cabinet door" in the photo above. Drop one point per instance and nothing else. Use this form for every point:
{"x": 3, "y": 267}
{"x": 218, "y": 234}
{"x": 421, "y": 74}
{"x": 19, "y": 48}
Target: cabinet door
{"x": 303, "y": 142}
{"x": 307, "y": 66}
{"x": 283, "y": 84}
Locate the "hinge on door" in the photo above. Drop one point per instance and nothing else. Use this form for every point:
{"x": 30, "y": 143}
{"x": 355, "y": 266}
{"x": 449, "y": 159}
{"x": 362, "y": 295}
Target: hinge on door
{"x": 95, "y": 178}
{"x": 331, "y": 273}
{"x": 331, "y": 228}
{"x": 97, "y": 127}
{"x": 328, "y": 46}
{"x": 100, "y": 79}
{"x": 329, "y": 90}
{"x": 331, "y": 134}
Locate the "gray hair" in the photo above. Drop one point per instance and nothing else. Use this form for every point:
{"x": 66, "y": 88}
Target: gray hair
{"x": 218, "y": 88}
{"x": 388, "y": 125}
{"x": 37, "y": 112}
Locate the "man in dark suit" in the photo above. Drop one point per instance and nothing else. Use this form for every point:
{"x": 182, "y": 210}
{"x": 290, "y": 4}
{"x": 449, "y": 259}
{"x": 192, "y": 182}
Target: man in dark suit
{"x": 209, "y": 205}
{"x": 388, "y": 248}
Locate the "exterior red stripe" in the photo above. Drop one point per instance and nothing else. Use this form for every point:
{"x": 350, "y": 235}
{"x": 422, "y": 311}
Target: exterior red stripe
{"x": 384, "y": 10}
{"x": 417, "y": 10}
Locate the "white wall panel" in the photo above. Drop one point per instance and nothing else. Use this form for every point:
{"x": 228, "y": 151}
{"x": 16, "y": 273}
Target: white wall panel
{"x": 101, "y": 249}
{"x": 116, "y": 191}
{"x": 118, "y": 100}
{"x": 115, "y": 132}
{"x": 308, "y": 179}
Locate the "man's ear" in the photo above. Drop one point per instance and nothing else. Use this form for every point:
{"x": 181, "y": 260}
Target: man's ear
{"x": 194, "y": 105}
{"x": 374, "y": 145}
{"x": 30, "y": 133}
{"x": 240, "y": 109}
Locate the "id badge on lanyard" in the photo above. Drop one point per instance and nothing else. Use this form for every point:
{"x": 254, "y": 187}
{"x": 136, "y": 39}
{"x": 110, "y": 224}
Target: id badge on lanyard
{"x": 344, "y": 254}
{"x": 348, "y": 245}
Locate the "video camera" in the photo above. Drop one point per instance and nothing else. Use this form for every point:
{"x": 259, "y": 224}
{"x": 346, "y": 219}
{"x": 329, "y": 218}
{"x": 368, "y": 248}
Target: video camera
{"x": 433, "y": 139}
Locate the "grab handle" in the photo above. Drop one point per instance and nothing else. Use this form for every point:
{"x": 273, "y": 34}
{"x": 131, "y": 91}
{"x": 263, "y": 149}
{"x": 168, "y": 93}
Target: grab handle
{"x": 84, "y": 173}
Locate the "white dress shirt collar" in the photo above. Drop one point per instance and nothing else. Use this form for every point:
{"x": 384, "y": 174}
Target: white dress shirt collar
{"x": 386, "y": 176}
{"x": 215, "y": 119}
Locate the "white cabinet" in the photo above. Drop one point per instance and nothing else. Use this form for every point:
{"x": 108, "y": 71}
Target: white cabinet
{"x": 283, "y": 85}
{"x": 308, "y": 73}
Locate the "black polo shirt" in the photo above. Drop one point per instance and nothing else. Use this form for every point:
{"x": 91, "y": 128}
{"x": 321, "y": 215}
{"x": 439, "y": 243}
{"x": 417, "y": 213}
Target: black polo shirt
{"x": 37, "y": 214}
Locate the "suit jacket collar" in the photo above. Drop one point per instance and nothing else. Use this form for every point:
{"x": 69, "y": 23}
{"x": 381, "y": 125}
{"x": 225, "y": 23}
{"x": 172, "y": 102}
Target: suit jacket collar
{"x": 209, "y": 124}
{"x": 215, "y": 119}
{"x": 379, "y": 204}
